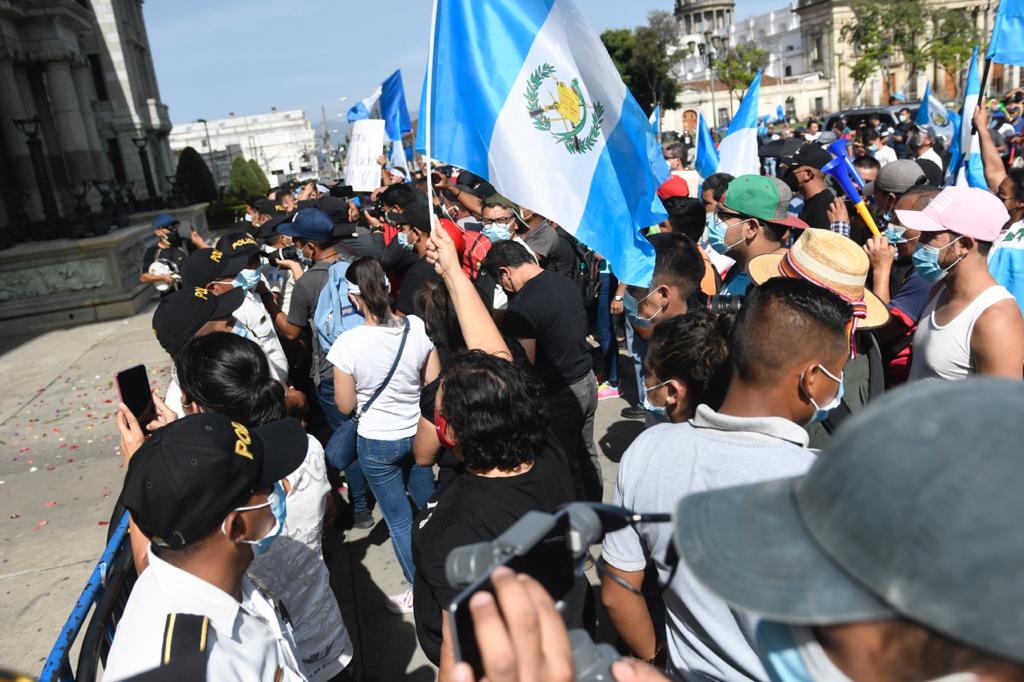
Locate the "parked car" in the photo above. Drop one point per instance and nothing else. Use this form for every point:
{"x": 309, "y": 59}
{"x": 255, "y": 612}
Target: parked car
{"x": 889, "y": 115}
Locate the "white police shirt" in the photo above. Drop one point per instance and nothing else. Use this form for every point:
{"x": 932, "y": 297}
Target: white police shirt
{"x": 248, "y": 640}
{"x": 259, "y": 327}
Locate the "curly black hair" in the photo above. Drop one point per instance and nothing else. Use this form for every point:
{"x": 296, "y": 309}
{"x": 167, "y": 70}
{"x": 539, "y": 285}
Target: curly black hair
{"x": 693, "y": 348}
{"x": 496, "y": 410}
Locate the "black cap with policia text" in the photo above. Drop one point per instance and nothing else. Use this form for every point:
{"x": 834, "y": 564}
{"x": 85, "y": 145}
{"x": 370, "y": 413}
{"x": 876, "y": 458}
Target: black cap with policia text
{"x": 180, "y": 315}
{"x": 190, "y": 474}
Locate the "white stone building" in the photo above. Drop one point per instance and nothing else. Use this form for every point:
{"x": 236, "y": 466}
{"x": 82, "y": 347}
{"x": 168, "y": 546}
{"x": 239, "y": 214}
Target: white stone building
{"x": 778, "y": 33}
{"x": 84, "y": 68}
{"x": 283, "y": 143}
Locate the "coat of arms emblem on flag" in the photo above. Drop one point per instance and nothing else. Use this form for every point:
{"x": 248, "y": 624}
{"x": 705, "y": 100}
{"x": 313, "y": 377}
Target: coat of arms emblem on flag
{"x": 566, "y": 116}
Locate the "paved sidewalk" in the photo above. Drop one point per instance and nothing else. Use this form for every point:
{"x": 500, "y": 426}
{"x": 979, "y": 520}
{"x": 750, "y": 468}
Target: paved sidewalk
{"x": 60, "y": 473}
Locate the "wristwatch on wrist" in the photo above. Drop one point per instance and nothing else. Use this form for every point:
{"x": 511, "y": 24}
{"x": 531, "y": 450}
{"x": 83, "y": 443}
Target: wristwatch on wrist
{"x": 619, "y": 299}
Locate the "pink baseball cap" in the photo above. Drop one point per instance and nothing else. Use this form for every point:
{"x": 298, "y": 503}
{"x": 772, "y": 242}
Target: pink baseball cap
{"x": 970, "y": 211}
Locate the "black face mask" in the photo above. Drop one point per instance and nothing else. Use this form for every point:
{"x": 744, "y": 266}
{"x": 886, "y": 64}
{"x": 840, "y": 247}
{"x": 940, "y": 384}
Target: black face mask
{"x": 789, "y": 177}
{"x": 174, "y": 238}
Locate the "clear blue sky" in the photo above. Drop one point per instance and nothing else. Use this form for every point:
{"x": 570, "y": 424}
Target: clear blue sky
{"x": 245, "y": 56}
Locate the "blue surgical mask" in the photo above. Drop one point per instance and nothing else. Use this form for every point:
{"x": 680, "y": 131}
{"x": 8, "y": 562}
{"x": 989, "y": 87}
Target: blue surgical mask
{"x": 661, "y": 411}
{"x": 241, "y": 330}
{"x": 279, "y": 508}
{"x": 821, "y": 413}
{"x": 497, "y": 232}
{"x": 926, "y": 262}
{"x": 247, "y": 279}
{"x": 631, "y": 307}
{"x": 247, "y": 218}
{"x": 873, "y": 148}
{"x": 403, "y": 241}
{"x": 792, "y": 653}
{"x": 716, "y": 234}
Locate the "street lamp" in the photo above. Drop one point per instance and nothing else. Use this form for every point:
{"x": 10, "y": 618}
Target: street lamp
{"x": 141, "y": 143}
{"x": 209, "y": 150}
{"x": 29, "y": 127}
{"x": 709, "y": 53}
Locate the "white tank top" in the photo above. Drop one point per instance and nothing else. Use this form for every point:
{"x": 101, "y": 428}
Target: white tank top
{"x": 944, "y": 351}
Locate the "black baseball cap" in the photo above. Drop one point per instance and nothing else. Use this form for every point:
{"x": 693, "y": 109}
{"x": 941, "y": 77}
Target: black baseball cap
{"x": 239, "y": 243}
{"x": 416, "y": 214}
{"x": 180, "y": 315}
{"x": 313, "y": 224}
{"x": 207, "y": 265}
{"x": 809, "y": 155}
{"x": 916, "y": 518}
{"x": 191, "y": 473}
{"x": 269, "y": 228}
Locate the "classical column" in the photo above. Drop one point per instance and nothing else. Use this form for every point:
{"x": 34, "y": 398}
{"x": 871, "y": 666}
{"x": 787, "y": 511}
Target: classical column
{"x": 83, "y": 86}
{"x": 13, "y": 142}
{"x": 67, "y": 116}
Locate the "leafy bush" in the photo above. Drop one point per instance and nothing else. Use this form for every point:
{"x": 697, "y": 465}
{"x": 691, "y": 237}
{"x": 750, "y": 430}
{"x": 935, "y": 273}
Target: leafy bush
{"x": 194, "y": 177}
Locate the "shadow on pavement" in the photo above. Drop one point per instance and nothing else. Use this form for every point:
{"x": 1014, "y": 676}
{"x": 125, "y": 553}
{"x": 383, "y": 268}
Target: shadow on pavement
{"x": 618, "y": 437}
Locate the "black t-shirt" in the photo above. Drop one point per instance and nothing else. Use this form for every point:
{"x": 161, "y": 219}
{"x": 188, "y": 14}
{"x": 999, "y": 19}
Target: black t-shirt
{"x": 418, "y": 274}
{"x": 815, "y": 209}
{"x": 172, "y": 257}
{"x": 549, "y": 308}
{"x": 476, "y": 509}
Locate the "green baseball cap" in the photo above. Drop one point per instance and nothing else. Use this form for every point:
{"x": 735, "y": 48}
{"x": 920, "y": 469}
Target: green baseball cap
{"x": 761, "y": 197}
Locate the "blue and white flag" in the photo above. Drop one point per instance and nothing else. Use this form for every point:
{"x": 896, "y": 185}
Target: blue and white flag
{"x": 965, "y": 166}
{"x": 738, "y": 149}
{"x": 393, "y": 108}
{"x": 524, "y": 94}
{"x": 365, "y": 108}
{"x": 1006, "y": 46}
{"x": 707, "y": 154}
{"x": 933, "y": 113}
{"x": 656, "y": 120}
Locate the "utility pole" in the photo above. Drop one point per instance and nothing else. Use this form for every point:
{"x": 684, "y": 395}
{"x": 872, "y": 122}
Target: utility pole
{"x": 209, "y": 151}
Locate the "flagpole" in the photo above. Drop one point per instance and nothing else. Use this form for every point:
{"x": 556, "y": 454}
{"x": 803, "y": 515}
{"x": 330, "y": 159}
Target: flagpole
{"x": 426, "y": 116}
{"x": 981, "y": 92}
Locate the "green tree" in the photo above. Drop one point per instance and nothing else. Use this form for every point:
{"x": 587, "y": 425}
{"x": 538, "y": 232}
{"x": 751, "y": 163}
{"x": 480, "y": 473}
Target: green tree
{"x": 883, "y": 33}
{"x": 645, "y": 58}
{"x": 261, "y": 177}
{"x": 194, "y": 177}
{"x": 242, "y": 181}
{"x": 738, "y": 67}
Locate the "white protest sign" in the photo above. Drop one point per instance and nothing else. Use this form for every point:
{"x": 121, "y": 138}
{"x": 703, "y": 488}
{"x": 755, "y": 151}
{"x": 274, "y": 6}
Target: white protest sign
{"x": 367, "y": 144}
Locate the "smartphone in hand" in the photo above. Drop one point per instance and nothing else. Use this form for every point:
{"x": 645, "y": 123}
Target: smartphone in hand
{"x": 135, "y": 392}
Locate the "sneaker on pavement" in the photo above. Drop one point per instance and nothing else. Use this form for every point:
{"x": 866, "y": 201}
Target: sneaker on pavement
{"x": 633, "y": 412}
{"x": 363, "y": 519}
{"x": 400, "y": 603}
{"x": 606, "y": 390}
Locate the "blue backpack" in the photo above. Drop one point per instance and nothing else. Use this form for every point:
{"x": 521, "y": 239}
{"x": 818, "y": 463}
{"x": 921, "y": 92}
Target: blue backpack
{"x": 334, "y": 311}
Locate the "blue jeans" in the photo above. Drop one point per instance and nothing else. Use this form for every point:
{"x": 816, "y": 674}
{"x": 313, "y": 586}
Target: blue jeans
{"x": 353, "y": 472}
{"x": 637, "y": 350}
{"x": 606, "y": 329}
{"x": 388, "y": 464}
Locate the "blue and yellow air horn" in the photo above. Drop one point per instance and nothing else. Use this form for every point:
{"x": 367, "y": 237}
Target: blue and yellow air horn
{"x": 846, "y": 174}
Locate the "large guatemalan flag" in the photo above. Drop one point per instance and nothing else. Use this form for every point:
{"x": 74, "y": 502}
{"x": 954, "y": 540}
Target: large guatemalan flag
{"x": 524, "y": 94}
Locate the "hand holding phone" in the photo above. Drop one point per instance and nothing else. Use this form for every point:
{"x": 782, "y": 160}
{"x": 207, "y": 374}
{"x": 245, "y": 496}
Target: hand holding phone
{"x": 135, "y": 393}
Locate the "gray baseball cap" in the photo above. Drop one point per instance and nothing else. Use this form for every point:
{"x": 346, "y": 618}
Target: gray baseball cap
{"x": 896, "y": 177}
{"x": 916, "y": 517}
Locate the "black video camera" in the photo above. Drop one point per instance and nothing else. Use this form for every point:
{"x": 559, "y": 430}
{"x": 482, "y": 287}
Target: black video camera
{"x": 284, "y": 253}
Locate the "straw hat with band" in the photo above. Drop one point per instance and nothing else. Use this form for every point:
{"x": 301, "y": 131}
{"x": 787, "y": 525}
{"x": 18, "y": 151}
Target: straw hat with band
{"x": 833, "y": 262}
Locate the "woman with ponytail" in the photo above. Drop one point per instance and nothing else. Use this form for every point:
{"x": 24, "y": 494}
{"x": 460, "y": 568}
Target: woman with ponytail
{"x": 379, "y": 369}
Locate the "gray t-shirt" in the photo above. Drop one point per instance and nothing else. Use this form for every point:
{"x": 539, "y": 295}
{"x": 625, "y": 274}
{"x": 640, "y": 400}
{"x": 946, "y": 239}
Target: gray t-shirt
{"x": 304, "y": 297}
{"x": 706, "y": 638}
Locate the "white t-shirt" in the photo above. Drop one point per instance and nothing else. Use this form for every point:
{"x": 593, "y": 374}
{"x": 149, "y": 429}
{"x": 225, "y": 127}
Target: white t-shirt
{"x": 253, "y": 315}
{"x": 367, "y": 353}
{"x": 293, "y": 570}
{"x": 885, "y": 155}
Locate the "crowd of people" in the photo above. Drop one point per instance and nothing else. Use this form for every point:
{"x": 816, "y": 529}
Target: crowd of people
{"x": 443, "y": 351}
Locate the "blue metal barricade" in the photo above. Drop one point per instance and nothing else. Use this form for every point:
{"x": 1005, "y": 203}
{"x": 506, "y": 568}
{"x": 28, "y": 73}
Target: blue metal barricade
{"x": 107, "y": 590}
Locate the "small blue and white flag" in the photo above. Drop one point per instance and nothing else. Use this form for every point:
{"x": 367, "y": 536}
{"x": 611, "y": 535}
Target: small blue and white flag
{"x": 707, "y": 154}
{"x": 738, "y": 149}
{"x": 524, "y": 94}
{"x": 393, "y": 108}
{"x": 1006, "y": 46}
{"x": 965, "y": 165}
{"x": 656, "y": 121}
{"x": 933, "y": 113}
{"x": 366, "y": 107}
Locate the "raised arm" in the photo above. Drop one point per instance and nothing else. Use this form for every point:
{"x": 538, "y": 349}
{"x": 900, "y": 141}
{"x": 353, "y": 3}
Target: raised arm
{"x": 478, "y": 329}
{"x": 994, "y": 171}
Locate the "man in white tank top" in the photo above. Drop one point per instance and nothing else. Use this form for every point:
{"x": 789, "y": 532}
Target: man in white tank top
{"x": 971, "y": 324}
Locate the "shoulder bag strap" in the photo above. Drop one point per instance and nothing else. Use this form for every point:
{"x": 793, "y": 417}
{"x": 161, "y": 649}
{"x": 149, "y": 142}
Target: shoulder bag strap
{"x": 391, "y": 372}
